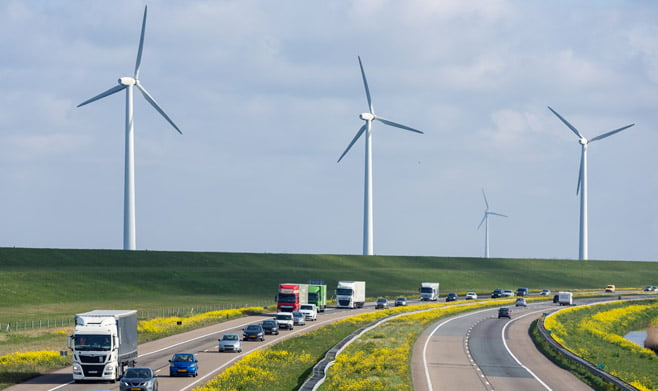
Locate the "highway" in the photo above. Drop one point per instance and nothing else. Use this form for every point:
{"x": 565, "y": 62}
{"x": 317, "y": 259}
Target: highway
{"x": 202, "y": 342}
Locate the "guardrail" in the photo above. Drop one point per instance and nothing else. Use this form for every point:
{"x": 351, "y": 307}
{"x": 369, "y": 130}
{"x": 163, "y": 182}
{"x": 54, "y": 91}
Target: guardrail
{"x": 591, "y": 367}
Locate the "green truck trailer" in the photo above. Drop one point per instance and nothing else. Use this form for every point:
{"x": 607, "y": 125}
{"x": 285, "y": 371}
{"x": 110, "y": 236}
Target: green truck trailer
{"x": 317, "y": 294}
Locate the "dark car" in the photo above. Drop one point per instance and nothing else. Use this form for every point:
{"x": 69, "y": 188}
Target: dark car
{"x": 253, "y": 331}
{"x": 139, "y": 379}
{"x": 497, "y": 293}
{"x": 522, "y": 292}
{"x": 382, "y": 303}
{"x": 504, "y": 312}
{"x": 556, "y": 299}
{"x": 270, "y": 326}
{"x": 183, "y": 364}
{"x": 400, "y": 301}
{"x": 452, "y": 296}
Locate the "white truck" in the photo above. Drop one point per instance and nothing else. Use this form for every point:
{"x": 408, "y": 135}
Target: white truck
{"x": 310, "y": 311}
{"x": 103, "y": 344}
{"x": 429, "y": 291}
{"x": 350, "y": 294}
{"x": 565, "y": 298}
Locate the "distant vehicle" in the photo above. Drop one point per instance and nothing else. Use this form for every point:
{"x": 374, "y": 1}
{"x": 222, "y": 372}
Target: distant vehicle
{"x": 508, "y": 293}
{"x": 382, "y": 303}
{"x": 556, "y": 299}
{"x": 298, "y": 318}
{"x": 497, "y": 293}
{"x": 253, "y": 331}
{"x": 400, "y": 301}
{"x": 230, "y": 343}
{"x": 452, "y": 296}
{"x": 317, "y": 294}
{"x": 504, "y": 312}
{"x": 545, "y": 292}
{"x": 291, "y": 296}
{"x": 520, "y": 302}
{"x": 285, "y": 320}
{"x": 183, "y": 364}
{"x": 522, "y": 292}
{"x": 350, "y": 294}
{"x": 138, "y": 379}
{"x": 429, "y": 291}
{"x": 610, "y": 288}
{"x": 270, "y": 326}
{"x": 471, "y": 296}
{"x": 310, "y": 311}
{"x": 565, "y": 298}
{"x": 650, "y": 288}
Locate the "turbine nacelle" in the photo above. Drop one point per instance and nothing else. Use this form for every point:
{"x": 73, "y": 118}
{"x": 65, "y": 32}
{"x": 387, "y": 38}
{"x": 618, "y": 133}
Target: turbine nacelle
{"x": 367, "y": 116}
{"x": 583, "y": 141}
{"x": 127, "y": 81}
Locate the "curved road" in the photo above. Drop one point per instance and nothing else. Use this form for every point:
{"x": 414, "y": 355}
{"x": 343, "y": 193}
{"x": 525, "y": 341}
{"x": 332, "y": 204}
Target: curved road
{"x": 478, "y": 351}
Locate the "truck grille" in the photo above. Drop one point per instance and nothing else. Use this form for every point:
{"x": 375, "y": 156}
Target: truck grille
{"x": 92, "y": 359}
{"x": 93, "y": 370}
{"x": 344, "y": 303}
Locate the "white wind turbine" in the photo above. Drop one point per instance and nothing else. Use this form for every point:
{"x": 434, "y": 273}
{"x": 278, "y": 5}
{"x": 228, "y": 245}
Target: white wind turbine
{"x": 485, "y": 220}
{"x": 127, "y": 83}
{"x": 368, "y": 248}
{"x": 582, "y": 179}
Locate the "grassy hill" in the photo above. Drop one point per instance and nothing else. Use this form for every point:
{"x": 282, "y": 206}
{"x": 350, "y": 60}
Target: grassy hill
{"x": 36, "y": 282}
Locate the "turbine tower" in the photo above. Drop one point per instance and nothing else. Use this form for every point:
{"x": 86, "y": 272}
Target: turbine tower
{"x": 485, "y": 220}
{"x": 582, "y": 180}
{"x": 368, "y": 248}
{"x": 127, "y": 83}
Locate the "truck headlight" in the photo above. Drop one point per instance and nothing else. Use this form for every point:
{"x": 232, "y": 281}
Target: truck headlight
{"x": 77, "y": 369}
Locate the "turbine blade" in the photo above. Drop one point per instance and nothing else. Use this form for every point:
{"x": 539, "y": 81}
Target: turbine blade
{"x": 365, "y": 84}
{"x": 141, "y": 45}
{"x": 573, "y": 129}
{"x": 610, "y": 133}
{"x": 497, "y": 214}
{"x": 482, "y": 221}
{"x": 358, "y": 134}
{"x": 397, "y": 125}
{"x": 153, "y": 103}
{"x": 580, "y": 175}
{"x": 111, "y": 91}
{"x": 485, "y": 199}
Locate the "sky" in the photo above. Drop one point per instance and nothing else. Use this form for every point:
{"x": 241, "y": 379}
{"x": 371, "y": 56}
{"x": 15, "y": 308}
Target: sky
{"x": 268, "y": 95}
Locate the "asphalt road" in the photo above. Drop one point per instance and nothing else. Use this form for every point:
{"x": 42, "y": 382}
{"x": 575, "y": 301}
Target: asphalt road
{"x": 202, "y": 342}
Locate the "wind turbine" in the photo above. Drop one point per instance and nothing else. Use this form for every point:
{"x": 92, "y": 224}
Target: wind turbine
{"x": 368, "y": 117}
{"x": 485, "y": 220}
{"x": 127, "y": 83}
{"x": 582, "y": 179}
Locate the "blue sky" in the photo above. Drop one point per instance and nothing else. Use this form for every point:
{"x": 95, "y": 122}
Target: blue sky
{"x": 268, "y": 94}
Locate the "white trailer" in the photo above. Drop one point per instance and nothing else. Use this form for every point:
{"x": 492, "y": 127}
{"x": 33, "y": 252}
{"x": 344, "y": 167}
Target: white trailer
{"x": 104, "y": 343}
{"x": 350, "y": 294}
{"x": 565, "y": 298}
{"x": 429, "y": 291}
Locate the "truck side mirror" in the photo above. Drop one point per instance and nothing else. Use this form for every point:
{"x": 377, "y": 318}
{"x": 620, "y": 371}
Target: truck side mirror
{"x": 69, "y": 342}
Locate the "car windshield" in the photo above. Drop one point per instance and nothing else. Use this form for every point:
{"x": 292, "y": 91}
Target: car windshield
{"x": 253, "y": 327}
{"x": 138, "y": 373}
{"x": 297, "y": 314}
{"x": 230, "y": 337}
{"x": 284, "y": 316}
{"x": 381, "y": 300}
{"x": 402, "y": 299}
{"x": 268, "y": 323}
{"x": 306, "y": 307}
{"x": 182, "y": 358}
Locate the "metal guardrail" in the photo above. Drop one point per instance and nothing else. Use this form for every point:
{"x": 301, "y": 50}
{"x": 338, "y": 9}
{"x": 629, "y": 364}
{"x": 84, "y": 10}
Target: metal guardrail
{"x": 622, "y": 385}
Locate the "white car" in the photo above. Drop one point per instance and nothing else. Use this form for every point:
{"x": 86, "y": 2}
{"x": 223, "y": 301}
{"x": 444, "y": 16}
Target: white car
{"x": 508, "y": 293}
{"x": 285, "y": 319}
{"x": 471, "y": 296}
{"x": 309, "y": 310}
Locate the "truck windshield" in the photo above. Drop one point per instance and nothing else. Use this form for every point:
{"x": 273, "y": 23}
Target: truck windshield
{"x": 344, "y": 291}
{"x": 426, "y": 290}
{"x": 287, "y": 298}
{"x": 92, "y": 342}
{"x": 312, "y": 297}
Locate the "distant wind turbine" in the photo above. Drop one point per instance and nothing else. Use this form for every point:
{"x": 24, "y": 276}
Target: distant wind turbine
{"x": 582, "y": 180}
{"x": 368, "y": 248}
{"x": 485, "y": 220}
{"x": 127, "y": 83}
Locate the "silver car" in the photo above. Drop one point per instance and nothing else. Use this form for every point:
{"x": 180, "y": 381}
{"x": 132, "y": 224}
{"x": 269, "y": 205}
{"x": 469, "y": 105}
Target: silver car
{"x": 230, "y": 343}
{"x": 298, "y": 318}
{"x": 139, "y": 379}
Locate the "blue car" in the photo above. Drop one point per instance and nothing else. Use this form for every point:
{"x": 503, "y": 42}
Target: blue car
{"x": 183, "y": 364}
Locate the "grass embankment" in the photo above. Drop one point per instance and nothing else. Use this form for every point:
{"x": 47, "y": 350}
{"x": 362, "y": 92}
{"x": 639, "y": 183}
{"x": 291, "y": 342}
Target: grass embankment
{"x": 596, "y": 332}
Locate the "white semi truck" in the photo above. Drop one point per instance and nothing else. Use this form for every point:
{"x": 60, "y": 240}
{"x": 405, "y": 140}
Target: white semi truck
{"x": 429, "y": 291}
{"x": 350, "y": 294}
{"x": 103, "y": 344}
